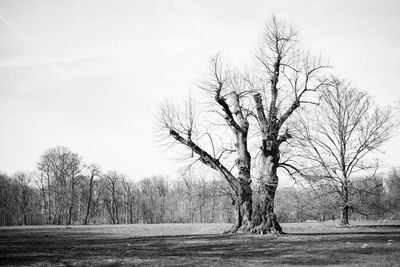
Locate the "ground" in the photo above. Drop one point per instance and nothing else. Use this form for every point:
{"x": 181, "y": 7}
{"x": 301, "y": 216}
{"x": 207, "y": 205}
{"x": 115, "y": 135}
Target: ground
{"x": 363, "y": 244}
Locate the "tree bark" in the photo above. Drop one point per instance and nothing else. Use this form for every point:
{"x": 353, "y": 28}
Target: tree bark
{"x": 245, "y": 201}
{"x": 265, "y": 219}
{"x": 344, "y": 220}
{"x": 49, "y": 199}
{"x": 71, "y": 204}
{"x": 89, "y": 200}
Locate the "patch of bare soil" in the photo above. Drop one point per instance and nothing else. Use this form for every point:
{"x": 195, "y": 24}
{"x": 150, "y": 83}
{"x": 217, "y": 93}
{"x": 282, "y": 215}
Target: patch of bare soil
{"x": 107, "y": 246}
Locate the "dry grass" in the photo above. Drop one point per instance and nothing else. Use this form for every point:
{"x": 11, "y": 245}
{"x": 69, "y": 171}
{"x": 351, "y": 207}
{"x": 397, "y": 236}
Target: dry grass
{"x": 200, "y": 245}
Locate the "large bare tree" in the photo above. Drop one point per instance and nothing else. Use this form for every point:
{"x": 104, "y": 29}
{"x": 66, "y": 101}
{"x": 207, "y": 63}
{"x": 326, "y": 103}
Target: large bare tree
{"x": 289, "y": 77}
{"x": 227, "y": 92}
{"x": 285, "y": 75}
{"x": 336, "y": 140}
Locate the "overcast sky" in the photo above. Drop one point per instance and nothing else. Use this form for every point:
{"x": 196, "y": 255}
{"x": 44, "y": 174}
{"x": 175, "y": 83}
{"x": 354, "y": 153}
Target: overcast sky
{"x": 89, "y": 74}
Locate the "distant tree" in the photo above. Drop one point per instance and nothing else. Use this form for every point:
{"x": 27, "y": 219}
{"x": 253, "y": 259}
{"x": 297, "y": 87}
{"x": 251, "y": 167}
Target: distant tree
{"x": 61, "y": 168}
{"x": 129, "y": 191}
{"x": 335, "y": 140}
{"x": 41, "y": 186}
{"x": 369, "y": 197}
{"x": 112, "y": 197}
{"x": 190, "y": 194}
{"x": 24, "y": 194}
{"x": 161, "y": 191}
{"x": 8, "y": 202}
{"x": 93, "y": 172}
{"x": 393, "y": 193}
{"x": 98, "y": 195}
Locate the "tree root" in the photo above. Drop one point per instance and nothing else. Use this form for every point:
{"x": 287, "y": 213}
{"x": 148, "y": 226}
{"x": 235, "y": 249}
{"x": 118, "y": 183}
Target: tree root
{"x": 262, "y": 229}
{"x": 233, "y": 230}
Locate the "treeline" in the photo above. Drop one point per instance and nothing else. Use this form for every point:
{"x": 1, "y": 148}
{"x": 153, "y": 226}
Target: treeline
{"x": 63, "y": 190}
{"x": 114, "y": 199}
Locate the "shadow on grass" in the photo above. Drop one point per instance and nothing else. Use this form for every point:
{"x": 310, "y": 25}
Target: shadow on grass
{"x": 378, "y": 226}
{"x": 342, "y": 233}
{"x": 68, "y": 247}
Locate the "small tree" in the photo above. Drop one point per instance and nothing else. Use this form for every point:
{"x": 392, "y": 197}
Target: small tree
{"x": 335, "y": 140}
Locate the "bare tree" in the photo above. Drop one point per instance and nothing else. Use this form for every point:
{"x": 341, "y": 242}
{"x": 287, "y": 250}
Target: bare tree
{"x": 93, "y": 172}
{"x": 44, "y": 183}
{"x": 292, "y": 76}
{"x": 98, "y": 194}
{"x": 75, "y": 178}
{"x": 148, "y": 200}
{"x": 61, "y": 167}
{"x": 129, "y": 189}
{"x": 24, "y": 194}
{"x": 393, "y": 194}
{"x": 225, "y": 90}
{"x": 335, "y": 141}
{"x": 112, "y": 184}
{"x": 8, "y": 203}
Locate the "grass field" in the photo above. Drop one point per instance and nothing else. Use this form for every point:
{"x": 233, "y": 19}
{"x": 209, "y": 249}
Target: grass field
{"x": 363, "y": 244}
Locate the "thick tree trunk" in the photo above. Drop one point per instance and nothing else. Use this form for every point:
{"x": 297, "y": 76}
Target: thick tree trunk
{"x": 265, "y": 219}
{"x": 244, "y": 201}
{"x": 245, "y": 198}
{"x": 344, "y": 220}
{"x": 245, "y": 210}
{"x": 243, "y": 164}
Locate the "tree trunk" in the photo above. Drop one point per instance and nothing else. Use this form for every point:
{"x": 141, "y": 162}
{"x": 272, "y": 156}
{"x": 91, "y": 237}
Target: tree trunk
{"x": 131, "y": 213}
{"x": 245, "y": 205}
{"x": 344, "y": 220}
{"x": 49, "y": 197}
{"x": 71, "y": 204}
{"x": 79, "y": 209}
{"x": 110, "y": 210}
{"x": 89, "y": 200}
{"x": 115, "y": 207}
{"x": 244, "y": 201}
{"x": 265, "y": 219}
